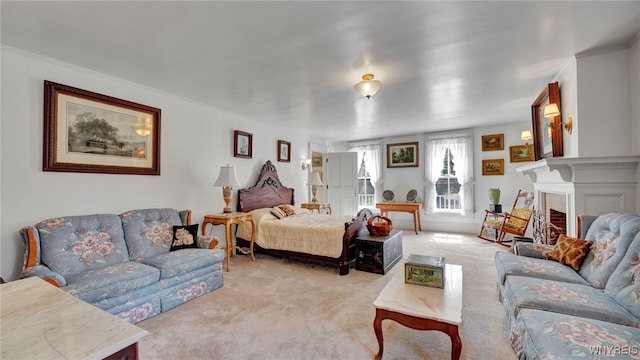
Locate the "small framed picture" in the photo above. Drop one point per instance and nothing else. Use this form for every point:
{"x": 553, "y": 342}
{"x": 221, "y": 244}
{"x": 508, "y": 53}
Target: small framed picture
{"x": 493, "y": 142}
{"x": 521, "y": 153}
{"x": 284, "y": 151}
{"x": 493, "y": 167}
{"x": 242, "y": 144}
{"x": 402, "y": 155}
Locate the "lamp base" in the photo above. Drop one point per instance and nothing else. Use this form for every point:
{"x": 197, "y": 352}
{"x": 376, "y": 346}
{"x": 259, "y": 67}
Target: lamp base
{"x": 226, "y": 195}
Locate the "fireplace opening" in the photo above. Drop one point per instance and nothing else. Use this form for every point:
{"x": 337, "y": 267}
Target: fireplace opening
{"x": 555, "y": 216}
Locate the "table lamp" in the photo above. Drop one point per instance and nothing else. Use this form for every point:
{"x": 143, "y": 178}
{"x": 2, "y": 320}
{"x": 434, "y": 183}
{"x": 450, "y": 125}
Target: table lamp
{"x": 227, "y": 179}
{"x": 315, "y": 182}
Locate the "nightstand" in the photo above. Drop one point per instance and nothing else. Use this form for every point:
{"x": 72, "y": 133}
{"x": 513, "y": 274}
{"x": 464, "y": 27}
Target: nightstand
{"x": 317, "y": 207}
{"x": 227, "y": 220}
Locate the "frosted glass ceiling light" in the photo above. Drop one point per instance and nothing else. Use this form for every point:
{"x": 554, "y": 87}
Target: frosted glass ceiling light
{"x": 368, "y": 87}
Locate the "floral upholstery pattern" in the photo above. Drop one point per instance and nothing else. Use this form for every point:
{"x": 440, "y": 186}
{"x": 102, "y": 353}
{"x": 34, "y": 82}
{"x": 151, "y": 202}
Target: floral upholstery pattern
{"x": 553, "y": 315}
{"x": 511, "y": 264}
{"x": 612, "y": 235}
{"x": 572, "y": 299}
{"x": 75, "y": 244}
{"x": 149, "y": 232}
{"x": 624, "y": 284}
{"x": 548, "y": 335}
{"x": 121, "y": 263}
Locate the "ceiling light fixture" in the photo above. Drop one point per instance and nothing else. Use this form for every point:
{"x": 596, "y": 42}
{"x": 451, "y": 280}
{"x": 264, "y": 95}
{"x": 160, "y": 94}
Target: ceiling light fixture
{"x": 368, "y": 87}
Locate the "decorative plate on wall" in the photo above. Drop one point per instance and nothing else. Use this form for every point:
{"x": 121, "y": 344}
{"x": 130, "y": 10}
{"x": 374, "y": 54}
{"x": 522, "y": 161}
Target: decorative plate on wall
{"x": 411, "y": 195}
{"x": 388, "y": 195}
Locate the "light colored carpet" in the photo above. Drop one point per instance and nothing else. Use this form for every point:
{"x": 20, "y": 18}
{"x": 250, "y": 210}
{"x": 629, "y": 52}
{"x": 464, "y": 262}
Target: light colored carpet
{"x": 285, "y": 309}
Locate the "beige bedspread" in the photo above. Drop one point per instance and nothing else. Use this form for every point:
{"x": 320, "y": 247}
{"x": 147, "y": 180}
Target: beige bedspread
{"x": 305, "y": 232}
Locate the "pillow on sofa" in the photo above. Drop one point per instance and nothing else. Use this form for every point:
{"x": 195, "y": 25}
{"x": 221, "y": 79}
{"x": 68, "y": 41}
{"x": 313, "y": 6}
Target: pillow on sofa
{"x": 184, "y": 237}
{"x": 569, "y": 251}
{"x": 279, "y": 213}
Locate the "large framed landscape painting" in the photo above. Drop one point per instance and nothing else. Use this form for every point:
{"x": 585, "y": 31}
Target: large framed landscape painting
{"x": 94, "y": 133}
{"x": 402, "y": 155}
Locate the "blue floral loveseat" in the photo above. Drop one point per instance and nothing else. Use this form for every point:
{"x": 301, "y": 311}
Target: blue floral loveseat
{"x": 122, "y": 263}
{"x": 556, "y": 312}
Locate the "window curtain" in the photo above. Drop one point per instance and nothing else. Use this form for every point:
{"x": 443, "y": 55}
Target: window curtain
{"x": 371, "y": 154}
{"x": 435, "y": 150}
{"x": 462, "y": 151}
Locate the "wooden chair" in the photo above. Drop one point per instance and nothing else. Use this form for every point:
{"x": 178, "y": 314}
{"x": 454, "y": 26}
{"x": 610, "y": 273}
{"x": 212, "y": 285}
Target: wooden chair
{"x": 514, "y": 222}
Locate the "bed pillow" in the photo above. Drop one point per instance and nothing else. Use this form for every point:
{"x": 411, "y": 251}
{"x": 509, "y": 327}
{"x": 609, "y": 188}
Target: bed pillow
{"x": 278, "y": 212}
{"x": 569, "y": 251}
{"x": 184, "y": 237}
{"x": 288, "y": 209}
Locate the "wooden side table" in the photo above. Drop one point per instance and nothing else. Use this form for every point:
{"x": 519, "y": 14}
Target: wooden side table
{"x": 317, "y": 207}
{"x": 227, "y": 220}
{"x": 410, "y": 207}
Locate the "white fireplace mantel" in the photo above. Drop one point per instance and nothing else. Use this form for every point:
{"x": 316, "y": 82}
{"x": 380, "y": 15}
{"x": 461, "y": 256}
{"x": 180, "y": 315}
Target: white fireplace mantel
{"x": 593, "y": 186}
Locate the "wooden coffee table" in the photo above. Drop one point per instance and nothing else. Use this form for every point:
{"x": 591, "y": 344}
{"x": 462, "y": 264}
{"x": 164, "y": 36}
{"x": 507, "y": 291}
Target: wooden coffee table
{"x": 422, "y": 307}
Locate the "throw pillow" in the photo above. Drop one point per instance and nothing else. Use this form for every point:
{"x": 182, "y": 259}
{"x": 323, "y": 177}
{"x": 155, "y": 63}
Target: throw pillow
{"x": 569, "y": 251}
{"x": 184, "y": 237}
{"x": 288, "y": 209}
{"x": 279, "y": 213}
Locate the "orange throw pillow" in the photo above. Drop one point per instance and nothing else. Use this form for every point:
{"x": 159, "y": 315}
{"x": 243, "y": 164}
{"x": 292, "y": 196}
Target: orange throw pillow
{"x": 569, "y": 251}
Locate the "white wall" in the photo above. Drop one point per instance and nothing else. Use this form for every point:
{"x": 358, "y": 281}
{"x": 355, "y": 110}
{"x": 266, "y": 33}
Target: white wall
{"x": 195, "y": 141}
{"x": 604, "y": 103}
{"x": 401, "y": 180}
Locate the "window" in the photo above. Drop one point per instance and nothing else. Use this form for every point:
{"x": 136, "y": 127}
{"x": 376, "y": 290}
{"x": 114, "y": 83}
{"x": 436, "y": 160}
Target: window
{"x": 368, "y": 173}
{"x": 449, "y": 174}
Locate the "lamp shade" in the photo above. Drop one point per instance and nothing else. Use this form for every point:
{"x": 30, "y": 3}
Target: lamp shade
{"x": 227, "y": 177}
{"x": 368, "y": 87}
{"x": 315, "y": 179}
{"x": 526, "y": 135}
{"x": 551, "y": 110}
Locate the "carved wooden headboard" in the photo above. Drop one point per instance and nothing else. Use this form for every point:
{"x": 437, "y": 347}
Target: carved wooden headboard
{"x": 267, "y": 192}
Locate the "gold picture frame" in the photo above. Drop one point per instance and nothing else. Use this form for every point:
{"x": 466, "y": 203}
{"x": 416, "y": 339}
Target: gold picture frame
{"x": 493, "y": 167}
{"x": 521, "y": 153}
{"x": 493, "y": 142}
{"x": 94, "y": 133}
{"x": 402, "y": 155}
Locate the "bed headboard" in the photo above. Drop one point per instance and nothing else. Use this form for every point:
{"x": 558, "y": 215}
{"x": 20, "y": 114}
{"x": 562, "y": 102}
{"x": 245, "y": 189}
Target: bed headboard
{"x": 267, "y": 192}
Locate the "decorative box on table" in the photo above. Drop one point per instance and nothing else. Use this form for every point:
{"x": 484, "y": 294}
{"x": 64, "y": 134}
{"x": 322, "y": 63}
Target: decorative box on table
{"x": 424, "y": 270}
{"x": 378, "y": 254}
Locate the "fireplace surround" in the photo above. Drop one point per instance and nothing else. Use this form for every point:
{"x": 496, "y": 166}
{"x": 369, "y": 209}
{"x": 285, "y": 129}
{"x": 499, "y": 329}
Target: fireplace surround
{"x": 590, "y": 186}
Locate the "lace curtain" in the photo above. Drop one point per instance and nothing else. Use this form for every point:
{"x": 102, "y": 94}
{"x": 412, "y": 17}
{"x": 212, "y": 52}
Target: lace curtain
{"x": 371, "y": 153}
{"x": 462, "y": 151}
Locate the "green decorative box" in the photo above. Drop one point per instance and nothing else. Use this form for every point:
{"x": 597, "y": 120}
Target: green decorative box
{"x": 424, "y": 270}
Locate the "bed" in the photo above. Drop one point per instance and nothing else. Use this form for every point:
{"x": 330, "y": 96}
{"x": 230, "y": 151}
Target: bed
{"x": 325, "y": 238}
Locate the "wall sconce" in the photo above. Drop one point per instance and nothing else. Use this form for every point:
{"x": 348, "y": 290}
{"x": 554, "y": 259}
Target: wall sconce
{"x": 551, "y": 111}
{"x": 227, "y": 179}
{"x": 526, "y": 135}
{"x": 368, "y": 87}
{"x": 306, "y": 164}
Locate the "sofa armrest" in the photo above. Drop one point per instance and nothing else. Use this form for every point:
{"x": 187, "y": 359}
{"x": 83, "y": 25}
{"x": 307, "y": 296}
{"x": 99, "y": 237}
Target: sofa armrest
{"x": 584, "y": 223}
{"x": 45, "y": 273}
{"x": 532, "y": 250}
{"x": 207, "y": 242}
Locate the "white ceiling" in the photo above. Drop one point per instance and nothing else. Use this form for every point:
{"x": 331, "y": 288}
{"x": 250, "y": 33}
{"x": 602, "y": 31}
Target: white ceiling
{"x": 444, "y": 65}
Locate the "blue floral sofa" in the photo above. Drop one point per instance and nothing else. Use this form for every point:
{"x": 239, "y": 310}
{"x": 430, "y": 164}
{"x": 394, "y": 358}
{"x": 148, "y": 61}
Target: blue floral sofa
{"x": 122, "y": 263}
{"x": 556, "y": 312}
